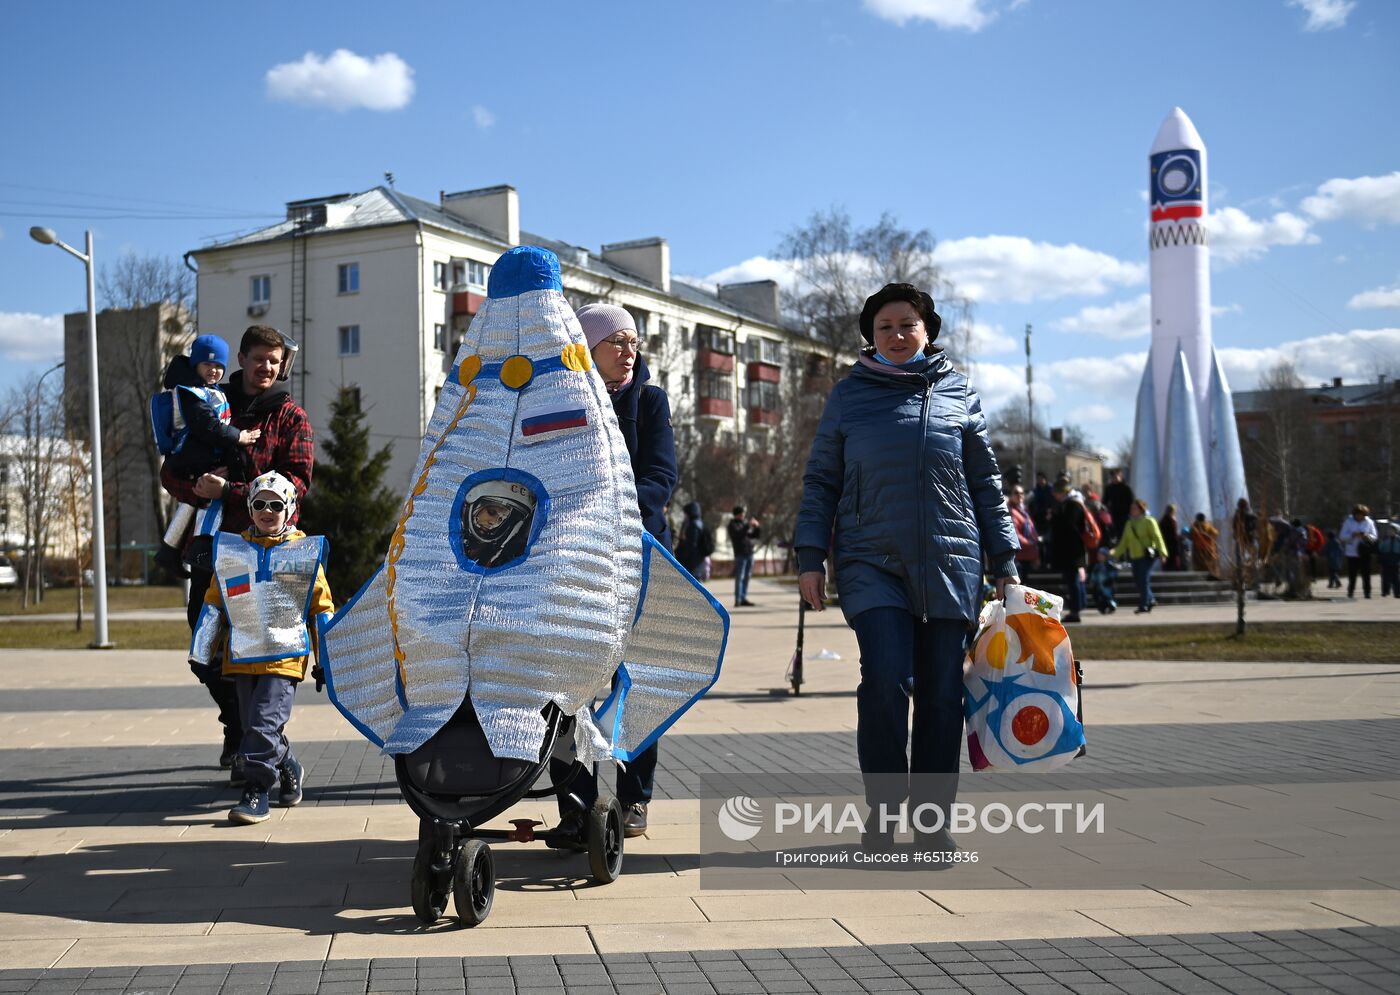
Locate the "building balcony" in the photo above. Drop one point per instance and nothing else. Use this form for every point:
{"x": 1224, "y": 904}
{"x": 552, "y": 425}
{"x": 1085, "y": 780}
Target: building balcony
{"x": 708, "y": 359}
{"x": 466, "y": 302}
{"x": 764, "y": 373}
{"x": 762, "y": 416}
{"x": 716, "y": 407}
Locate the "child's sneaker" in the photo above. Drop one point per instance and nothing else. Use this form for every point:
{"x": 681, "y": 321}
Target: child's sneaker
{"x": 253, "y": 807}
{"x": 289, "y": 783}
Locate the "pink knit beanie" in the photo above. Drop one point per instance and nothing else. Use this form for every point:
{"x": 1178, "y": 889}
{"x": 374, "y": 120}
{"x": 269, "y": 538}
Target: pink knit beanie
{"x": 599, "y": 321}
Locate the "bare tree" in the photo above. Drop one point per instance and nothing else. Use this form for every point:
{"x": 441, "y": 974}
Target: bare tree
{"x": 152, "y": 318}
{"x": 1279, "y": 460}
{"x": 36, "y": 454}
{"x": 838, "y": 265}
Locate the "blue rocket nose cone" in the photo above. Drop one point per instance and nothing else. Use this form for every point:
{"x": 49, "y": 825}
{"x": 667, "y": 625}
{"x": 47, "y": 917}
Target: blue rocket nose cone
{"x": 521, "y": 269}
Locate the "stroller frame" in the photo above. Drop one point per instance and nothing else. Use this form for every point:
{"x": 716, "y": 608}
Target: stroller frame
{"x": 454, "y": 856}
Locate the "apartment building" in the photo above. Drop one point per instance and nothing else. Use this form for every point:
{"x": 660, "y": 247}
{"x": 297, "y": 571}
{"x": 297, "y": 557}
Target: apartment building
{"x": 379, "y": 287}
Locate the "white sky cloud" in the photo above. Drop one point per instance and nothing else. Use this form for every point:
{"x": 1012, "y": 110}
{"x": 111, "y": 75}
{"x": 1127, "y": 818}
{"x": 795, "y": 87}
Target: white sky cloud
{"x": 1324, "y": 15}
{"x": 1090, "y": 414}
{"x": 1381, "y": 297}
{"x": 966, "y": 15}
{"x": 1235, "y": 236}
{"x": 343, "y": 81}
{"x": 1120, "y": 320}
{"x": 1356, "y": 355}
{"x": 1370, "y": 200}
{"x": 31, "y": 338}
{"x": 484, "y": 119}
{"x": 991, "y": 340}
{"x": 992, "y": 268}
{"x": 754, "y": 268}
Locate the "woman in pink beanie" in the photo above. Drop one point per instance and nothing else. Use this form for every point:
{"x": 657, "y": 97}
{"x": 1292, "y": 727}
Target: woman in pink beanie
{"x": 644, "y": 415}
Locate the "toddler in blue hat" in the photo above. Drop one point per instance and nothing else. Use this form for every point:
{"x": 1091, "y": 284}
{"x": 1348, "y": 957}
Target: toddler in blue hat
{"x": 190, "y": 419}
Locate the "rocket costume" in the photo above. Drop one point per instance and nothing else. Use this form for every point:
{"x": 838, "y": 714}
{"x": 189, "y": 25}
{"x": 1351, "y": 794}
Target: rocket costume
{"x": 519, "y": 573}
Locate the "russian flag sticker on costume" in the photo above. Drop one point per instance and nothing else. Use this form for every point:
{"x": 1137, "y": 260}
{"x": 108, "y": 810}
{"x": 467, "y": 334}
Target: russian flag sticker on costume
{"x": 241, "y": 584}
{"x": 548, "y": 420}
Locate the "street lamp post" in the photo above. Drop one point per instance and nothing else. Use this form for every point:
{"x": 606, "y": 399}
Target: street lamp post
{"x": 46, "y": 236}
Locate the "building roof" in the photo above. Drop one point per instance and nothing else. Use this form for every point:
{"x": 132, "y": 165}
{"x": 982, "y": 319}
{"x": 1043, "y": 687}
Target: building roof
{"x": 1356, "y": 395}
{"x": 383, "y": 206}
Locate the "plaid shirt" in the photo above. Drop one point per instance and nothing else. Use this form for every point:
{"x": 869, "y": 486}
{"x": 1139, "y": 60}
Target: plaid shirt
{"x": 286, "y": 445}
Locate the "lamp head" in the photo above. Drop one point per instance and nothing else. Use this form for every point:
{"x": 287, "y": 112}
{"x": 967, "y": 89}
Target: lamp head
{"x": 45, "y": 235}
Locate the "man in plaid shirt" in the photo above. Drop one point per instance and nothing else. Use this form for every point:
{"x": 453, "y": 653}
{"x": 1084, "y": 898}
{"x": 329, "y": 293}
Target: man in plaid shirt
{"x": 259, "y": 398}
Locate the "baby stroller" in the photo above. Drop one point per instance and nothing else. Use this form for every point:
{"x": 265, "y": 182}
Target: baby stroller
{"x": 455, "y": 785}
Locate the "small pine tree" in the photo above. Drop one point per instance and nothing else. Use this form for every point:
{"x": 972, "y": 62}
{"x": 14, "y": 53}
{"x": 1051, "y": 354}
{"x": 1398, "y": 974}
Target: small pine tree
{"x": 348, "y": 502}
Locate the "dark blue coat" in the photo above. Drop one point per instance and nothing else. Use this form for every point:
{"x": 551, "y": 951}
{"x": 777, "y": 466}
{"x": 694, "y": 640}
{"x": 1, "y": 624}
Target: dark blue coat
{"x": 902, "y": 467}
{"x": 644, "y": 415}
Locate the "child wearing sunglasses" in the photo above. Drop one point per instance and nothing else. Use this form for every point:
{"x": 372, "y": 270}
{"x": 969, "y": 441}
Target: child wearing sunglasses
{"x": 269, "y": 587}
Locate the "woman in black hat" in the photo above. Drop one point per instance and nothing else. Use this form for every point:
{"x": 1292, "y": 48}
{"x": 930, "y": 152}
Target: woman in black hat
{"x": 902, "y": 469}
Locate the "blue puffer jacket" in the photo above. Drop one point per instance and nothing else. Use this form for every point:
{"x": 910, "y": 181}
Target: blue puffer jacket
{"x": 902, "y": 466}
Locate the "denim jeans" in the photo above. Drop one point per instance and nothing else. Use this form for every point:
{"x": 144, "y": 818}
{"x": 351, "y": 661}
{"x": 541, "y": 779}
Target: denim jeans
{"x": 743, "y": 570}
{"x": 1142, "y": 577}
{"x": 1075, "y": 598}
{"x": 895, "y": 647}
{"x": 265, "y": 704}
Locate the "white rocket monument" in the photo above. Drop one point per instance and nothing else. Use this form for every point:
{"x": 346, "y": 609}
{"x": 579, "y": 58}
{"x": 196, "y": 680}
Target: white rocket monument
{"x": 1186, "y": 450}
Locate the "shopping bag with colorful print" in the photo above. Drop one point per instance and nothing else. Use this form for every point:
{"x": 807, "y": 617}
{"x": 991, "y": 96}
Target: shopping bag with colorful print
{"x": 1021, "y": 697}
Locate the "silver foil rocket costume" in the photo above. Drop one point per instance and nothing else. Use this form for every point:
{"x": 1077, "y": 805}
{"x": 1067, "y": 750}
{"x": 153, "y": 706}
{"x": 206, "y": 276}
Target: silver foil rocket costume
{"x": 519, "y": 572}
{"x": 267, "y": 596}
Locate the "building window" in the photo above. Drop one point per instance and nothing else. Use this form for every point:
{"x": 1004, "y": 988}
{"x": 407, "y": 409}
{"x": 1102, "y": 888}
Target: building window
{"x": 763, "y": 395}
{"x": 1349, "y": 428}
{"x": 349, "y": 278}
{"x": 639, "y": 318}
{"x": 768, "y": 351}
{"x": 260, "y": 294}
{"x": 665, "y": 380}
{"x": 439, "y": 276}
{"x": 685, "y": 337}
{"x": 477, "y": 274}
{"x": 349, "y": 340}
{"x": 716, "y": 385}
{"x": 351, "y": 395}
{"x": 715, "y": 339}
{"x": 440, "y": 338}
{"x": 685, "y": 385}
{"x": 459, "y": 274}
{"x": 663, "y": 329}
{"x": 1251, "y": 433}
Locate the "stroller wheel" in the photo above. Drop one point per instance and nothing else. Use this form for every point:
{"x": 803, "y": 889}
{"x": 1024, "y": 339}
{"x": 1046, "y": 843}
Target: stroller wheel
{"x": 429, "y": 897}
{"x": 474, "y": 883}
{"x": 605, "y": 839}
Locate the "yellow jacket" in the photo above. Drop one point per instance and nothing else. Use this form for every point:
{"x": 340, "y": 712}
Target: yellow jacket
{"x": 292, "y": 666}
{"x": 1141, "y": 537}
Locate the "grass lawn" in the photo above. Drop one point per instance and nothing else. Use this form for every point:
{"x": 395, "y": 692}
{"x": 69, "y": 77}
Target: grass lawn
{"x": 158, "y": 635}
{"x": 1289, "y": 642}
{"x": 58, "y": 600}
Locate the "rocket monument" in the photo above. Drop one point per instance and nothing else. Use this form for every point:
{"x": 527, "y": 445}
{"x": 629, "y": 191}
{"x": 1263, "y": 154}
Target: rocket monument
{"x": 1186, "y": 450}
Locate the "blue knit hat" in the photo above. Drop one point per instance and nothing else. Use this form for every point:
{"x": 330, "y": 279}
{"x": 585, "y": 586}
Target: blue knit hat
{"x": 209, "y": 349}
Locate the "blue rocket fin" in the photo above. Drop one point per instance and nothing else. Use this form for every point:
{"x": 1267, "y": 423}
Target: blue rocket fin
{"x": 357, "y": 656}
{"x": 673, "y": 655}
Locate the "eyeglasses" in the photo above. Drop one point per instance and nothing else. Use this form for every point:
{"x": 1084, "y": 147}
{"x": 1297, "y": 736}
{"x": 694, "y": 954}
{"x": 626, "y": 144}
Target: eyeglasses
{"x": 623, "y": 343}
{"x": 260, "y": 505}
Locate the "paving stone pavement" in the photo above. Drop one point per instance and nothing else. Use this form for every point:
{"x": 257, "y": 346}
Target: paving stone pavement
{"x": 1362, "y": 960}
{"x": 119, "y": 872}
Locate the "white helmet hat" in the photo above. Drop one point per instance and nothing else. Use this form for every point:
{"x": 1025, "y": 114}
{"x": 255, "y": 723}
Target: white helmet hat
{"x": 277, "y": 484}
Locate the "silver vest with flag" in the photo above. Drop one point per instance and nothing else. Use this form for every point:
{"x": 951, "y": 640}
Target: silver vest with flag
{"x": 267, "y": 594}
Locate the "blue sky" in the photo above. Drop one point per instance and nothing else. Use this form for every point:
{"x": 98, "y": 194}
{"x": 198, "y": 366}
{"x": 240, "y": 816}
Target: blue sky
{"x": 1016, "y": 132}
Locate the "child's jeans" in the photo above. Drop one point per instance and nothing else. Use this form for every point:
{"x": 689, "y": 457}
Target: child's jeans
{"x": 264, "y": 705}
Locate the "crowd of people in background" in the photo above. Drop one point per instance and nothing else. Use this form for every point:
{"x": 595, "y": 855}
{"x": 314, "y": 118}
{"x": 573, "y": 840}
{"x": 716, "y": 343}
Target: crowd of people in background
{"x": 1083, "y": 536}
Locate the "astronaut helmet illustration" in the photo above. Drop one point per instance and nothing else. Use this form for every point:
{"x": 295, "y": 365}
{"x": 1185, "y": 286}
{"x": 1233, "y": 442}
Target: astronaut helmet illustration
{"x": 496, "y": 519}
